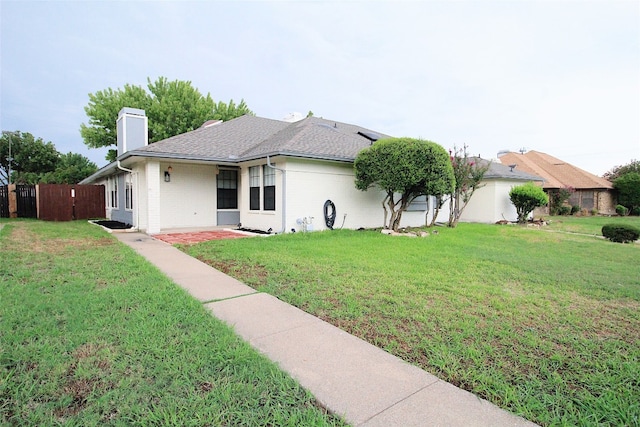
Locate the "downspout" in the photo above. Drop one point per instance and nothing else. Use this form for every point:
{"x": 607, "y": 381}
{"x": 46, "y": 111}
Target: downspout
{"x": 137, "y": 192}
{"x": 284, "y": 193}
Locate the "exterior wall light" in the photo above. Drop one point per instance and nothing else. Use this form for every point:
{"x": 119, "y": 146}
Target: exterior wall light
{"x": 167, "y": 174}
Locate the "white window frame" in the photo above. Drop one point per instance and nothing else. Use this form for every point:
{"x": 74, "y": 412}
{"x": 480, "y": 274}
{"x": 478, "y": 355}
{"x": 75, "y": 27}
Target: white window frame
{"x": 112, "y": 187}
{"x": 128, "y": 192}
{"x": 268, "y": 181}
{"x": 254, "y": 182}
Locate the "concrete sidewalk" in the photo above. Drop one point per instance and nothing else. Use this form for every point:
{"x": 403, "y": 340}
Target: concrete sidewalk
{"x": 350, "y": 377}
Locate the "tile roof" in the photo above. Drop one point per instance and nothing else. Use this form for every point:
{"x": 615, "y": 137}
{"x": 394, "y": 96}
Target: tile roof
{"x": 250, "y": 137}
{"x": 556, "y": 173}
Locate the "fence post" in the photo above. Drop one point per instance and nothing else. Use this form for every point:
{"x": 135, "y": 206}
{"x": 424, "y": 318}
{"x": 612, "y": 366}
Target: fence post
{"x": 13, "y": 201}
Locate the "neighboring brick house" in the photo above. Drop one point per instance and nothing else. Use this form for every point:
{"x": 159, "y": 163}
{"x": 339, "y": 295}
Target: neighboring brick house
{"x": 591, "y": 191}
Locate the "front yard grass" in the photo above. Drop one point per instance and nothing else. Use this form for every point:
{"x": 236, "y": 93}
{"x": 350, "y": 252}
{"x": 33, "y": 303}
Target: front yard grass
{"x": 546, "y": 325}
{"x": 91, "y": 334}
{"x": 588, "y": 224}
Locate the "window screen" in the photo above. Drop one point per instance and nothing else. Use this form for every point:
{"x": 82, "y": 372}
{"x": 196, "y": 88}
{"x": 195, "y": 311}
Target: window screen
{"x": 254, "y": 188}
{"x": 269, "y": 176}
{"x": 228, "y": 189}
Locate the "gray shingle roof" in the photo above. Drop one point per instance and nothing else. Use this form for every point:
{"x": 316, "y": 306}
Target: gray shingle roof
{"x": 499, "y": 171}
{"x": 224, "y": 141}
{"x": 250, "y": 137}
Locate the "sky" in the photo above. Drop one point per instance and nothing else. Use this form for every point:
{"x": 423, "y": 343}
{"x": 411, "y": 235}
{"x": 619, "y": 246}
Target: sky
{"x": 560, "y": 77}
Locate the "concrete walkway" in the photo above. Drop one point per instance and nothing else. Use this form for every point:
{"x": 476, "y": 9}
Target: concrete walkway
{"x": 351, "y": 378}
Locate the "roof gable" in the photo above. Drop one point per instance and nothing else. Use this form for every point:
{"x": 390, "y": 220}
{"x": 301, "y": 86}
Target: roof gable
{"x": 224, "y": 141}
{"x": 250, "y": 137}
{"x": 316, "y": 138}
{"x": 557, "y": 173}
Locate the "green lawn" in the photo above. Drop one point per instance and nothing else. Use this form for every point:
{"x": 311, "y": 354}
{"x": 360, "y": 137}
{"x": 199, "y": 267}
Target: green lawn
{"x": 589, "y": 224}
{"x": 91, "y": 334}
{"x": 544, "y": 324}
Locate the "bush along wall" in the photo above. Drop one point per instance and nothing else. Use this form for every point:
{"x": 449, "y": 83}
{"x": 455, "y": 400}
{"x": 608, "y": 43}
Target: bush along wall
{"x": 621, "y": 233}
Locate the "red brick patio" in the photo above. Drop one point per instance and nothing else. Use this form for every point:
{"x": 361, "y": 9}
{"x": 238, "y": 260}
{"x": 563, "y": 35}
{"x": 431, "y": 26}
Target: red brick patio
{"x": 198, "y": 236}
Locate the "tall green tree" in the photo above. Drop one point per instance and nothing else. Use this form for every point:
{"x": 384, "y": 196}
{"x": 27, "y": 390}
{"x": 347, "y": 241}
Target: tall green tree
{"x": 172, "y": 107}
{"x": 71, "y": 169}
{"x": 30, "y": 158}
{"x": 618, "y": 171}
{"x": 403, "y": 168}
{"x": 230, "y": 111}
{"x": 103, "y": 109}
{"x": 628, "y": 187}
{"x": 35, "y": 161}
{"x": 526, "y": 198}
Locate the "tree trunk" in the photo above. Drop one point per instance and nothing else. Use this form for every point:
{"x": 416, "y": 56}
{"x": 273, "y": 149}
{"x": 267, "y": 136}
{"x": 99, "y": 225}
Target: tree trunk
{"x": 386, "y": 213}
{"x": 439, "y": 204}
{"x": 453, "y": 207}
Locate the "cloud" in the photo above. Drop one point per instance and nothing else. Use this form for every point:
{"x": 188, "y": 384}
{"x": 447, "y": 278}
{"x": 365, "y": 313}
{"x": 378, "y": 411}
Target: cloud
{"x": 559, "y": 77}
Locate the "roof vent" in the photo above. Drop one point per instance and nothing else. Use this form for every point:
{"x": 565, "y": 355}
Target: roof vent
{"x": 327, "y": 126}
{"x": 371, "y": 136}
{"x": 210, "y": 123}
{"x": 293, "y": 117}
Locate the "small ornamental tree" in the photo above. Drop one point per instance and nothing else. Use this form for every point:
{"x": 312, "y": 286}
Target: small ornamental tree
{"x": 526, "y": 198}
{"x": 404, "y": 168}
{"x": 468, "y": 173}
{"x": 558, "y": 197}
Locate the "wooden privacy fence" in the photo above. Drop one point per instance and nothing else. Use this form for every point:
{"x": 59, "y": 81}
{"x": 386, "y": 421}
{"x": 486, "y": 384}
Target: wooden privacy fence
{"x": 18, "y": 201}
{"x": 4, "y": 201}
{"x": 52, "y": 202}
{"x": 59, "y": 202}
{"x": 26, "y": 201}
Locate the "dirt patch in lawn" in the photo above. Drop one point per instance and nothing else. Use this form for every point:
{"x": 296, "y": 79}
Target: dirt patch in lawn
{"x": 23, "y": 240}
{"x": 78, "y": 386}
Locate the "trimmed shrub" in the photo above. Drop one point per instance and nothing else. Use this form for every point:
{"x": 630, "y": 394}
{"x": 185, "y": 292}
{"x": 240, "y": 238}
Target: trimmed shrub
{"x": 621, "y": 233}
{"x": 621, "y": 210}
{"x": 526, "y": 198}
{"x": 563, "y": 210}
{"x": 574, "y": 209}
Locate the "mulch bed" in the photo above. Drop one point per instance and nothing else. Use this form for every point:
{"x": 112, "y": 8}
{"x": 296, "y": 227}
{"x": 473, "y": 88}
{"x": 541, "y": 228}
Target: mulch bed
{"x": 113, "y": 225}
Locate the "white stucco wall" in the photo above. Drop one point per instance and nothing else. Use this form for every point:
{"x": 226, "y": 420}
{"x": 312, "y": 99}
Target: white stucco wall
{"x": 189, "y": 199}
{"x": 261, "y": 219}
{"x": 140, "y": 201}
{"x": 309, "y": 183}
{"x": 152, "y": 188}
{"x": 491, "y": 203}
